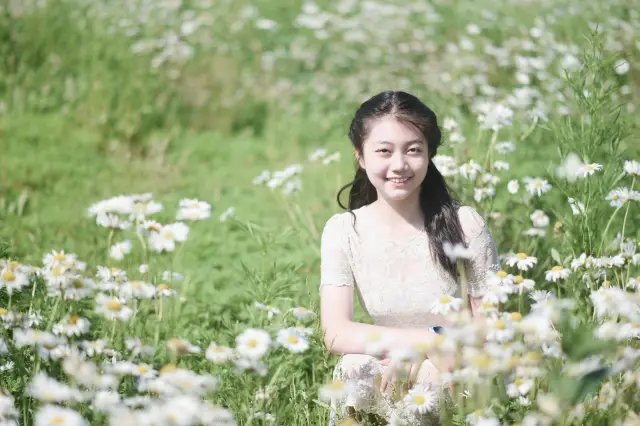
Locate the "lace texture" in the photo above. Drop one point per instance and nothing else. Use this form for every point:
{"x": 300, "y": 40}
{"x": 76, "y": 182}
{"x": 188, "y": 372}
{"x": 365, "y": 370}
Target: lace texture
{"x": 397, "y": 282}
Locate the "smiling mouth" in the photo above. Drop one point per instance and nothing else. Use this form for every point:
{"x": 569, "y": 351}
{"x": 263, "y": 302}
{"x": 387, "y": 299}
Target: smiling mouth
{"x": 398, "y": 180}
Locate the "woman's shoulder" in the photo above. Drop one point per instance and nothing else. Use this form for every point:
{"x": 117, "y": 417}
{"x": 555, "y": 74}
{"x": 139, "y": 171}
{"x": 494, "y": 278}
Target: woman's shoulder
{"x": 344, "y": 219}
{"x": 471, "y": 221}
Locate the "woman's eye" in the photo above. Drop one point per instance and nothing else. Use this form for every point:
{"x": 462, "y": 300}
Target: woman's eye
{"x": 414, "y": 150}
{"x": 382, "y": 150}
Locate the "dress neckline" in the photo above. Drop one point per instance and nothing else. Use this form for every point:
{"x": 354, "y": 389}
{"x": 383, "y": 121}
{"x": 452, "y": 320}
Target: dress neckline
{"x": 386, "y": 236}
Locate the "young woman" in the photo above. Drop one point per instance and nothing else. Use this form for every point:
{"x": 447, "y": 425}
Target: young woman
{"x": 389, "y": 246}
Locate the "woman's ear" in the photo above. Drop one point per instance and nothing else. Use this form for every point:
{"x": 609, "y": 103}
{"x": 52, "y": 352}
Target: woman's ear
{"x": 359, "y": 158}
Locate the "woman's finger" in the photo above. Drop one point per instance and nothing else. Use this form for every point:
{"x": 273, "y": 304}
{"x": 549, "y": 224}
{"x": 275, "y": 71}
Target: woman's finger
{"x": 385, "y": 361}
{"x": 413, "y": 374}
{"x": 385, "y": 379}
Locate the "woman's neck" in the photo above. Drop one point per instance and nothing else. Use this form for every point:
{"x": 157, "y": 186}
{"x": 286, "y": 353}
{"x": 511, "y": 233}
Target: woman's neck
{"x": 401, "y": 212}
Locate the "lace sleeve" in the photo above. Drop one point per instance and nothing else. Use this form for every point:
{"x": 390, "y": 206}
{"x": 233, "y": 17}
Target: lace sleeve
{"x": 481, "y": 243}
{"x": 335, "y": 268}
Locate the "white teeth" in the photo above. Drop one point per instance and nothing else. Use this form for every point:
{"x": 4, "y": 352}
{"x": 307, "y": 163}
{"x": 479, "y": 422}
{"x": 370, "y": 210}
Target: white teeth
{"x": 399, "y": 180}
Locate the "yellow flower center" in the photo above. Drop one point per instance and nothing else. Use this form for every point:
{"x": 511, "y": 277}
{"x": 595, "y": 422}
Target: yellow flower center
{"x": 154, "y": 228}
{"x": 59, "y": 257}
{"x": 500, "y": 324}
{"x": 373, "y": 337}
{"x": 3, "y": 311}
{"x": 252, "y": 343}
{"x": 169, "y": 368}
{"x": 58, "y": 420}
{"x": 557, "y": 268}
{"x": 418, "y": 399}
{"x": 163, "y": 286}
{"x": 606, "y": 284}
{"x": 445, "y": 300}
{"x": 518, "y": 279}
{"x": 518, "y": 381}
{"x": 142, "y": 369}
{"x": 482, "y": 361}
{"x": 15, "y": 264}
{"x": 532, "y": 356}
{"x": 114, "y": 269}
{"x": 501, "y": 274}
{"x": 336, "y": 385}
{"x": 521, "y": 256}
{"x": 220, "y": 349}
{"x": 487, "y": 305}
{"x": 513, "y": 361}
{"x": 57, "y": 271}
{"x": 8, "y": 275}
{"x": 293, "y": 340}
{"x": 73, "y": 319}
{"x": 516, "y": 316}
{"x": 114, "y": 305}
{"x": 302, "y": 309}
{"x": 136, "y": 284}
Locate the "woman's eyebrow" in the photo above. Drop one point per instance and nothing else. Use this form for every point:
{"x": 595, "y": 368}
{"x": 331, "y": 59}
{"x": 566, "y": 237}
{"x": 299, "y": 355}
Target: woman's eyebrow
{"x": 403, "y": 143}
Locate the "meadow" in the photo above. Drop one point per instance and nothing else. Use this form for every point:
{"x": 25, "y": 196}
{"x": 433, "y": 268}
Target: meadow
{"x": 167, "y": 167}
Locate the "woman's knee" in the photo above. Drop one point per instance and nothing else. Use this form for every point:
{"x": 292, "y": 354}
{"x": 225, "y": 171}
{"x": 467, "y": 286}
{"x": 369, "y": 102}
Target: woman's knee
{"x": 358, "y": 364}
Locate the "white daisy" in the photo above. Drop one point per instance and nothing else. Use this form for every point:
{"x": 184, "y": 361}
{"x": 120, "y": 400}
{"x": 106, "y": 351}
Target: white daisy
{"x": 617, "y": 197}
{"x": 456, "y": 251}
{"x": 72, "y": 325}
{"x": 536, "y": 186}
{"x": 332, "y": 158}
{"x": 589, "y": 169}
{"x": 539, "y": 219}
{"x": 557, "y": 273}
{"x": 577, "y": 207}
{"x": 303, "y": 313}
{"x": 119, "y": 250}
{"x": 317, "y": 154}
{"x": 193, "y": 210}
{"x": 513, "y": 186}
{"x": 420, "y": 399}
{"x": 632, "y": 167}
{"x": 521, "y": 284}
{"x": 47, "y": 389}
{"x": 519, "y": 387}
{"x": 501, "y": 165}
{"x": 49, "y": 415}
{"x": 522, "y": 261}
{"x": 293, "y": 340}
{"x": 253, "y": 343}
{"x": 165, "y": 240}
{"x": 335, "y": 390}
{"x": 182, "y": 347}
{"x": 218, "y": 354}
{"x": 227, "y": 214}
{"x": 271, "y": 310}
{"x": 112, "y": 308}
{"x": 12, "y": 279}
{"x": 470, "y": 170}
{"x": 445, "y": 304}
{"x": 505, "y": 147}
{"x": 376, "y": 344}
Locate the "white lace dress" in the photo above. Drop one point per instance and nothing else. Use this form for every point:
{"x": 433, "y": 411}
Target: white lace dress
{"x": 396, "y": 283}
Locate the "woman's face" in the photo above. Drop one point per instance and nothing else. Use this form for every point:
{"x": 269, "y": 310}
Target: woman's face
{"x": 395, "y": 158}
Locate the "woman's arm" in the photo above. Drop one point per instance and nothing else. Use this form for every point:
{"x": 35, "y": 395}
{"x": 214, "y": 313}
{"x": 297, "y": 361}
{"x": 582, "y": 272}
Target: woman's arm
{"x": 342, "y": 335}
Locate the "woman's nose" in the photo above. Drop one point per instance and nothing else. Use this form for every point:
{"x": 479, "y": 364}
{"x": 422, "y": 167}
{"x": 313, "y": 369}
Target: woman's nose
{"x": 398, "y": 162}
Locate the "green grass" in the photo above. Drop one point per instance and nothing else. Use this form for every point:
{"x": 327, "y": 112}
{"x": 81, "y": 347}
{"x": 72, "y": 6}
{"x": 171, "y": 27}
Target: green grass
{"x": 85, "y": 119}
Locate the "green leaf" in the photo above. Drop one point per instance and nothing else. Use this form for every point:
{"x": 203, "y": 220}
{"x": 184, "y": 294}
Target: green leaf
{"x": 556, "y": 256}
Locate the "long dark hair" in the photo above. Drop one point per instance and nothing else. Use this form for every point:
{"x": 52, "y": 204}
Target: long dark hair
{"x": 438, "y": 203}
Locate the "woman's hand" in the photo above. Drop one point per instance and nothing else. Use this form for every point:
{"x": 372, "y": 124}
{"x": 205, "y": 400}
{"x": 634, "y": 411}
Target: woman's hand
{"x": 390, "y": 375}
